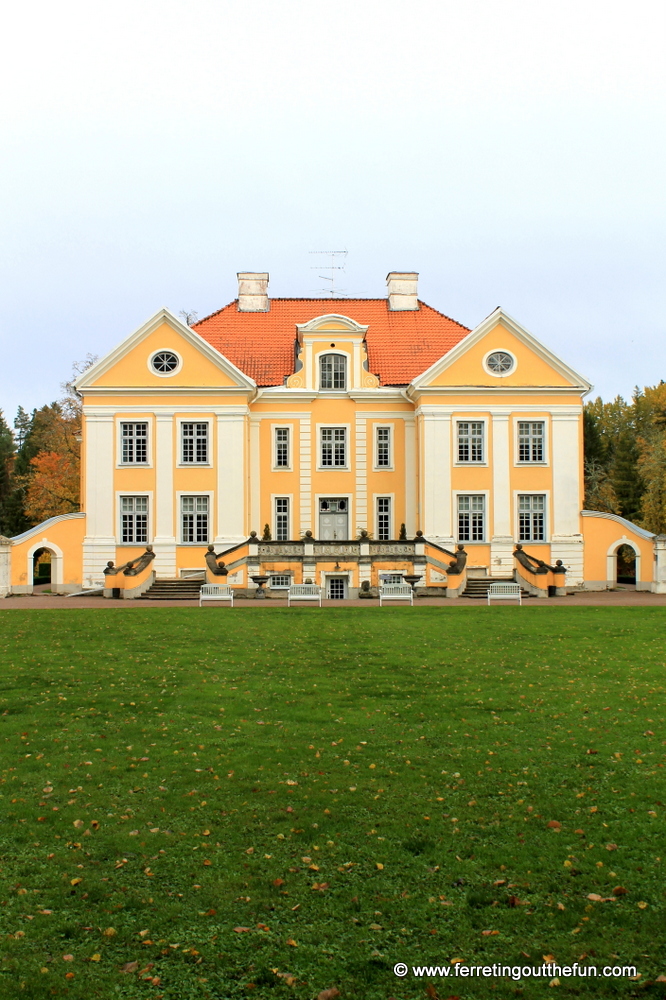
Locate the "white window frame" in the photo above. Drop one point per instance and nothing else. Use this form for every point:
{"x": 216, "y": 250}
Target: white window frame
{"x": 289, "y": 467}
{"x": 148, "y": 494}
{"x": 289, "y": 497}
{"x": 134, "y": 465}
{"x": 526, "y": 419}
{"x": 457, "y": 420}
{"x": 329, "y": 495}
{"x": 211, "y": 511}
{"x": 179, "y": 443}
{"x": 164, "y": 350}
{"x": 375, "y": 500}
{"x": 547, "y": 514}
{"x": 486, "y": 526}
{"x": 375, "y": 434}
{"x": 334, "y": 468}
{"x": 281, "y": 586}
{"x": 500, "y": 350}
{"x": 347, "y": 359}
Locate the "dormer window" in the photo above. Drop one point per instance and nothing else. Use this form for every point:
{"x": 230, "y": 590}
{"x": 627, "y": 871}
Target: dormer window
{"x": 333, "y": 371}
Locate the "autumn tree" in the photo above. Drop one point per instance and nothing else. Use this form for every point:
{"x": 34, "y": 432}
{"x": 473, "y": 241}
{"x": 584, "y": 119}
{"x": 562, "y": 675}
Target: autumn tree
{"x": 7, "y": 455}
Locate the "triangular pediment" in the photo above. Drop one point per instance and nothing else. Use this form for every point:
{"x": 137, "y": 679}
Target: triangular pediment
{"x": 532, "y": 365}
{"x": 129, "y": 365}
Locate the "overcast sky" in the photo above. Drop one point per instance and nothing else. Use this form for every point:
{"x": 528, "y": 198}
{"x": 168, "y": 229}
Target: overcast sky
{"x": 511, "y": 152}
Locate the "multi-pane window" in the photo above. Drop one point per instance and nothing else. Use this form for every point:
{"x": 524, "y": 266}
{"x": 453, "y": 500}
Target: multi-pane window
{"x": 333, "y": 447}
{"x": 383, "y": 518}
{"x": 530, "y": 440}
{"x": 194, "y": 518}
{"x": 471, "y": 518}
{"x": 280, "y": 581}
{"x": 387, "y": 578}
{"x": 383, "y": 447}
{"x": 470, "y": 441}
{"x": 195, "y": 442}
{"x": 532, "y": 517}
{"x": 282, "y": 519}
{"x": 282, "y": 447}
{"x": 333, "y": 372}
{"x": 133, "y": 519}
{"x": 134, "y": 442}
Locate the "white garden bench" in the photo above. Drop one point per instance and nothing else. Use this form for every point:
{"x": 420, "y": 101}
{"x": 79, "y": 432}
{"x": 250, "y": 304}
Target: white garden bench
{"x": 396, "y": 592}
{"x": 216, "y": 592}
{"x": 505, "y": 592}
{"x": 304, "y": 592}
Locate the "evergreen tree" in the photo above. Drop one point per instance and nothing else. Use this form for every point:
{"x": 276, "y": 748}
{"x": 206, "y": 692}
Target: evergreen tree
{"x": 624, "y": 476}
{"x": 7, "y": 453}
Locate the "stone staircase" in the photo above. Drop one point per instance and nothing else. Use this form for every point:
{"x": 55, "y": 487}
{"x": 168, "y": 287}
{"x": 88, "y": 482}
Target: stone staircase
{"x": 173, "y": 590}
{"x": 477, "y": 587}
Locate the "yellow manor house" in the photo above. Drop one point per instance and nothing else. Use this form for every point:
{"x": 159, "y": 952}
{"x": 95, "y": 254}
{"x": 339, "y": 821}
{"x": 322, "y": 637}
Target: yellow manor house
{"x": 346, "y": 443}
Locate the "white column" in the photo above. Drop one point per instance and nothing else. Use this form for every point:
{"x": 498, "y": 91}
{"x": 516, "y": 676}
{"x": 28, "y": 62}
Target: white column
{"x": 361, "y": 469}
{"x": 410, "y": 477}
{"x": 501, "y": 542}
{"x": 164, "y": 536}
{"x": 305, "y": 474}
{"x": 566, "y": 540}
{"x": 5, "y": 566}
{"x": 99, "y": 544}
{"x": 231, "y": 492}
{"x": 436, "y": 488}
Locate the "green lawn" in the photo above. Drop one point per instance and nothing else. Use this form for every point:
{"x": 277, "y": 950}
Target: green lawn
{"x": 274, "y": 803}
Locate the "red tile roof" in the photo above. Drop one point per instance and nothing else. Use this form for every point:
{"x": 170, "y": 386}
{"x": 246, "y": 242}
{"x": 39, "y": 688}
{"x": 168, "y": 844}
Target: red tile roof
{"x": 400, "y": 345}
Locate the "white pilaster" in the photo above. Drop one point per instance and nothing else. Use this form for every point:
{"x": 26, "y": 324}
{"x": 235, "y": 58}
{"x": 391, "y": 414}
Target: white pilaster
{"x": 231, "y": 521}
{"x": 436, "y": 488}
{"x": 164, "y": 536}
{"x": 410, "y": 477}
{"x": 99, "y": 544}
{"x": 501, "y": 542}
{"x": 5, "y": 566}
{"x": 361, "y": 469}
{"x": 566, "y": 540}
{"x": 305, "y": 477}
{"x": 255, "y": 477}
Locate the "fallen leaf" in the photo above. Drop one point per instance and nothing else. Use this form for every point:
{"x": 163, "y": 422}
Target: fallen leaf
{"x": 556, "y": 982}
{"x": 554, "y": 824}
{"x": 489, "y": 933}
{"x": 207, "y": 863}
{"x": 642, "y": 905}
{"x": 375, "y": 927}
{"x": 68, "y": 958}
{"x": 241, "y": 930}
{"x": 95, "y": 958}
{"x": 329, "y": 994}
{"x": 129, "y": 967}
{"x": 581, "y": 833}
{"x": 320, "y": 886}
{"x": 75, "y": 881}
{"x": 250, "y": 850}
{"x": 660, "y": 979}
{"x": 292, "y": 943}
{"x": 380, "y": 866}
{"x": 611, "y": 847}
{"x": 143, "y": 933}
{"x": 78, "y": 823}
{"x": 593, "y": 751}
{"x": 561, "y": 906}
{"x": 549, "y": 958}
{"x": 278, "y": 881}
{"x": 110, "y": 932}
{"x": 95, "y": 824}
{"x": 69, "y": 975}
{"x": 514, "y": 901}
{"x": 594, "y": 896}
{"x": 263, "y": 927}
{"x": 619, "y": 890}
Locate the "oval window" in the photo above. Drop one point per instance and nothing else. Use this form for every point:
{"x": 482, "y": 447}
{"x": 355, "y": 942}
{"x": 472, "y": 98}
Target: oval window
{"x": 499, "y": 363}
{"x": 165, "y": 362}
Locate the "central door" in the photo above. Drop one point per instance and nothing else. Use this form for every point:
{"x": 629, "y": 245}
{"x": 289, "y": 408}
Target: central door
{"x": 334, "y": 519}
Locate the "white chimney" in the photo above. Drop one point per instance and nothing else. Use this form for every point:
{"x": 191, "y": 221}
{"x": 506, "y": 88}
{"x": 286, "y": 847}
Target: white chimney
{"x": 402, "y": 293}
{"x": 252, "y": 291}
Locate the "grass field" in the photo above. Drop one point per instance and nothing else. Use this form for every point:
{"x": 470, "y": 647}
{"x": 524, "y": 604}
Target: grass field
{"x": 218, "y": 804}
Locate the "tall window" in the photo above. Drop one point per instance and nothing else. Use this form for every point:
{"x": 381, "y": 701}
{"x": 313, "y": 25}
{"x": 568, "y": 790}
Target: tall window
{"x": 532, "y": 517}
{"x": 282, "y": 519}
{"x": 282, "y": 447}
{"x": 333, "y": 447}
{"x": 333, "y": 372}
{"x": 383, "y": 518}
{"x": 530, "y": 440}
{"x": 470, "y": 441}
{"x": 194, "y": 518}
{"x": 383, "y": 447}
{"x": 134, "y": 442}
{"x": 133, "y": 519}
{"x": 195, "y": 443}
{"x": 471, "y": 518}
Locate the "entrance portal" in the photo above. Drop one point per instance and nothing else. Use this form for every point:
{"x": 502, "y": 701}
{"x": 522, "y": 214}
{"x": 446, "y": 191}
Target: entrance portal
{"x": 41, "y": 566}
{"x": 333, "y": 519}
{"x": 337, "y": 588}
{"x": 626, "y": 564}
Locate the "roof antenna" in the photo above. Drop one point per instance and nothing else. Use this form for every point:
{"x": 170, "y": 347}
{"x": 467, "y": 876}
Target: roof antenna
{"x": 335, "y": 255}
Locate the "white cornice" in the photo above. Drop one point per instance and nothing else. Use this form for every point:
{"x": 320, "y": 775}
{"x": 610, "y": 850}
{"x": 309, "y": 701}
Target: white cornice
{"x": 167, "y": 390}
{"x": 314, "y": 326}
{"x": 499, "y": 317}
{"x": 83, "y": 383}
{"x": 31, "y": 532}
{"x": 415, "y": 392}
{"x": 641, "y": 532}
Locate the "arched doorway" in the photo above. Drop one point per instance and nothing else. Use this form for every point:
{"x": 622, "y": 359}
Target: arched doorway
{"x": 626, "y": 565}
{"x": 41, "y": 567}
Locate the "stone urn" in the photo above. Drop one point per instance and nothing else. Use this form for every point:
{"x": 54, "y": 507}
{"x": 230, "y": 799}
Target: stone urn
{"x": 412, "y": 580}
{"x": 261, "y": 582}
